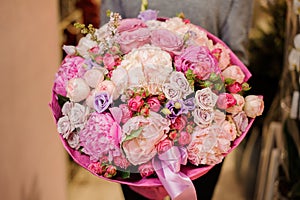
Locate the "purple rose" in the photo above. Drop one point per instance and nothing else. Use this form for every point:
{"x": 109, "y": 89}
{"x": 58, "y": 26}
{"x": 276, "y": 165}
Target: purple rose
{"x": 199, "y": 59}
{"x": 148, "y": 15}
{"x": 166, "y": 40}
{"x": 102, "y": 101}
{"x": 129, "y": 40}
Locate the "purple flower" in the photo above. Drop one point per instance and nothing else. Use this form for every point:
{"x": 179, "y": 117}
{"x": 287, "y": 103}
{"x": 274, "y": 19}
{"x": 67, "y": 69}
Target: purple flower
{"x": 102, "y": 101}
{"x": 176, "y": 108}
{"x": 148, "y": 15}
{"x": 190, "y": 103}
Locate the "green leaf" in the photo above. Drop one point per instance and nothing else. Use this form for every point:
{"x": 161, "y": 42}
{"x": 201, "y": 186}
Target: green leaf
{"x": 62, "y": 100}
{"x": 134, "y": 134}
{"x": 229, "y": 81}
{"x": 125, "y": 174}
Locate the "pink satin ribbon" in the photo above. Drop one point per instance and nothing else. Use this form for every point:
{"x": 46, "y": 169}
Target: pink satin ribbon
{"x": 167, "y": 167}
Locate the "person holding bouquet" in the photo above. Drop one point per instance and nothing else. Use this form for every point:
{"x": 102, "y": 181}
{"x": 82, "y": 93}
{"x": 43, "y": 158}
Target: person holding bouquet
{"x": 229, "y": 20}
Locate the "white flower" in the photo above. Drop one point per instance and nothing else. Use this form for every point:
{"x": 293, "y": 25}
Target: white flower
{"x": 73, "y": 140}
{"x": 178, "y": 80}
{"x": 64, "y": 126}
{"x": 84, "y": 45}
{"x": 78, "y": 115}
{"x": 203, "y": 118}
{"x": 69, "y": 49}
{"x": 171, "y": 92}
{"x": 206, "y": 99}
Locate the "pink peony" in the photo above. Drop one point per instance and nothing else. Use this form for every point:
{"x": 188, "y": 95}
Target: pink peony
{"x": 121, "y": 161}
{"x": 254, "y": 106}
{"x": 71, "y": 67}
{"x": 208, "y": 146}
{"x": 100, "y": 137}
{"x": 149, "y": 131}
{"x": 199, "y": 59}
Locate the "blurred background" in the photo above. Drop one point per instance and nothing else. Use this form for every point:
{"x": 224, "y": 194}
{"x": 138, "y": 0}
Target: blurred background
{"x": 34, "y": 165}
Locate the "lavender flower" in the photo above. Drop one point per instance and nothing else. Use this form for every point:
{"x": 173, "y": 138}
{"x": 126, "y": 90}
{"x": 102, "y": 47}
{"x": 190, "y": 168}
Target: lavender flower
{"x": 102, "y": 101}
{"x": 176, "y": 108}
{"x": 148, "y": 15}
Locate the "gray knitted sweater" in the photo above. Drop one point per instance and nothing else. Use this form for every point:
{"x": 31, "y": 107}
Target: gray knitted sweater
{"x": 227, "y": 19}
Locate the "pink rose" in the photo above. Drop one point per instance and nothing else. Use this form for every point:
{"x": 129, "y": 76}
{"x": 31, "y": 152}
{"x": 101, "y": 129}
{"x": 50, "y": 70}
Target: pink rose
{"x": 206, "y": 99}
{"x": 179, "y": 123}
{"x": 130, "y": 25}
{"x": 225, "y": 101}
{"x": 129, "y": 40}
{"x": 154, "y": 104}
{"x": 219, "y": 116}
{"x": 110, "y": 172}
{"x": 223, "y": 55}
{"x": 254, "y": 106}
{"x": 166, "y": 40}
{"x": 146, "y": 169}
{"x": 164, "y": 145}
{"x": 109, "y": 87}
{"x": 241, "y": 121}
{"x": 240, "y": 102}
{"x": 149, "y": 131}
{"x": 234, "y": 88}
{"x": 199, "y": 59}
{"x": 184, "y": 138}
{"x": 230, "y": 130}
{"x": 109, "y": 61}
{"x": 234, "y": 72}
{"x": 135, "y": 103}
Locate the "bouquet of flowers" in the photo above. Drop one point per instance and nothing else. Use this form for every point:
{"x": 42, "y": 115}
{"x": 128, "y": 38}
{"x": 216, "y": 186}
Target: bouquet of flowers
{"x": 151, "y": 102}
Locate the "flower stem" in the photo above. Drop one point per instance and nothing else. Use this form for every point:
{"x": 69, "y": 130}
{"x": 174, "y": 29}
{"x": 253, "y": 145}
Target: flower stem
{"x": 144, "y": 5}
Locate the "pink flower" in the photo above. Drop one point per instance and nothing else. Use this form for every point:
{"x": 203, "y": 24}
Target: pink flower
{"x": 109, "y": 61}
{"x": 154, "y": 104}
{"x": 241, "y": 121}
{"x": 234, "y": 88}
{"x": 126, "y": 113}
{"x": 121, "y": 161}
{"x": 234, "y": 72}
{"x": 230, "y": 129}
{"x": 203, "y": 118}
{"x": 198, "y": 59}
{"x": 77, "y": 89}
{"x": 206, "y": 99}
{"x": 240, "y": 102}
{"x": 100, "y": 137}
{"x": 109, "y": 87}
{"x": 96, "y": 167}
{"x": 146, "y": 169}
{"x": 71, "y": 67}
{"x": 254, "y": 106}
{"x": 129, "y": 40}
{"x": 223, "y": 55}
{"x": 130, "y": 25}
{"x": 208, "y": 146}
{"x": 219, "y": 116}
{"x": 179, "y": 123}
{"x": 184, "y": 138}
{"x": 166, "y": 40}
{"x": 110, "y": 172}
{"x": 149, "y": 131}
{"x": 225, "y": 101}
{"x": 164, "y": 145}
{"x": 135, "y": 103}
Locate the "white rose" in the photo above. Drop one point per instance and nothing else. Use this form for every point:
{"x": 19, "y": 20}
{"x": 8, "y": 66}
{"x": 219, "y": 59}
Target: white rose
{"x": 78, "y": 115}
{"x": 73, "y": 140}
{"x": 205, "y": 98}
{"x": 203, "y": 118}
{"x": 64, "y": 126}
{"x": 178, "y": 79}
{"x": 171, "y": 92}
